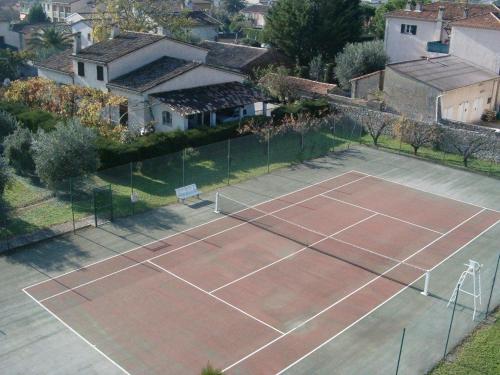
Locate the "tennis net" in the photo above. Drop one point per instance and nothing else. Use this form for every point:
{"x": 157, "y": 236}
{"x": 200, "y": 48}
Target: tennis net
{"x": 312, "y": 240}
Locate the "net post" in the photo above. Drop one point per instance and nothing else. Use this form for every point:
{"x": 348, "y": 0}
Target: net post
{"x": 425, "y": 292}
{"x": 216, "y": 210}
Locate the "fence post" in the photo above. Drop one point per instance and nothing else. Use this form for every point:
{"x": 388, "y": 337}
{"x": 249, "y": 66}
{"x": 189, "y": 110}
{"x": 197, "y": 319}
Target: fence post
{"x": 71, "y": 198}
{"x": 111, "y": 201}
{"x": 400, "y": 350}
{"x": 183, "y": 167}
{"x": 451, "y": 322}
{"x": 228, "y": 160}
{"x": 95, "y": 208}
{"x": 492, "y": 286}
{"x": 132, "y": 203}
{"x": 268, "y": 149}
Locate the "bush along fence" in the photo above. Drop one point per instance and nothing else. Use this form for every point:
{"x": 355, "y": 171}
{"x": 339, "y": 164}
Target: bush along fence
{"x": 460, "y": 145}
{"x": 138, "y": 186}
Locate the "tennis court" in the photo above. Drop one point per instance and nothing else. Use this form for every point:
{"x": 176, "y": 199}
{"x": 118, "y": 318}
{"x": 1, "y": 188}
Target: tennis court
{"x": 260, "y": 288}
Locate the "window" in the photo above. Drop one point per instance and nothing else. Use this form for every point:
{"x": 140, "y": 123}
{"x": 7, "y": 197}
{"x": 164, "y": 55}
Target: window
{"x": 81, "y": 69}
{"x": 100, "y": 73}
{"x": 166, "y": 118}
{"x": 89, "y": 37}
{"x": 123, "y": 112}
{"x": 408, "y": 29}
{"x": 489, "y": 100}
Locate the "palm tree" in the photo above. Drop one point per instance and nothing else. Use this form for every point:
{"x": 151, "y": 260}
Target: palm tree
{"x": 48, "y": 41}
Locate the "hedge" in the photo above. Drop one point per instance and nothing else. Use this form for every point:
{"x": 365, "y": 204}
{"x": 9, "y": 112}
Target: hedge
{"x": 33, "y": 119}
{"x": 113, "y": 153}
{"x": 315, "y": 107}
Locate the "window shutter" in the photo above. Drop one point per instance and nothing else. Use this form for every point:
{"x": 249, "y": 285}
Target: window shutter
{"x": 403, "y": 26}
{"x": 414, "y": 29}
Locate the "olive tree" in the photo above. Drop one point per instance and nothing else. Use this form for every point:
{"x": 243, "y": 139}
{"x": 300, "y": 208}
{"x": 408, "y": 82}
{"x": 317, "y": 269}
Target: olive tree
{"x": 70, "y": 150}
{"x": 415, "y": 133}
{"x": 17, "y": 151}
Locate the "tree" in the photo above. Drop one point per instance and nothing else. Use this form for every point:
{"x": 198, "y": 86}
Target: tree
{"x": 238, "y": 23}
{"x": 49, "y": 41}
{"x": 302, "y": 123}
{"x": 36, "y": 14}
{"x": 4, "y": 175}
{"x": 233, "y": 6}
{"x": 317, "y": 68}
{"x": 68, "y": 151}
{"x": 17, "y": 150}
{"x": 415, "y": 133}
{"x": 469, "y": 144}
{"x": 11, "y": 63}
{"x": 8, "y": 123}
{"x": 277, "y": 83}
{"x": 374, "y": 122}
{"x": 358, "y": 59}
{"x": 303, "y": 29}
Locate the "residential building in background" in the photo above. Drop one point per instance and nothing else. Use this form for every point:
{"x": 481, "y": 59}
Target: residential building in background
{"x": 58, "y": 10}
{"x": 166, "y": 82}
{"x": 425, "y": 30}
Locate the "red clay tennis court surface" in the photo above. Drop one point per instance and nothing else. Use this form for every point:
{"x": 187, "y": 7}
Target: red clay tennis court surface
{"x": 255, "y": 296}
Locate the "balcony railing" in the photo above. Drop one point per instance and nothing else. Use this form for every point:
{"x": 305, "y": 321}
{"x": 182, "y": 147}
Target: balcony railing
{"x": 438, "y": 47}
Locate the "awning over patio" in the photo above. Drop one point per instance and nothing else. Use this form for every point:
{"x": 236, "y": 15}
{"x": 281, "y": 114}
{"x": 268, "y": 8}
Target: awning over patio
{"x": 211, "y": 98}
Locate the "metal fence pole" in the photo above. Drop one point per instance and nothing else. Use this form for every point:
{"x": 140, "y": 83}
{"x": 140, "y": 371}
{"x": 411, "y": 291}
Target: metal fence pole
{"x": 268, "y": 150}
{"x": 451, "y": 321}
{"x": 183, "y": 167}
{"x": 111, "y": 202}
{"x": 400, "y": 350}
{"x": 132, "y": 203}
{"x": 228, "y": 160}
{"x": 95, "y": 208}
{"x": 492, "y": 286}
{"x": 72, "y": 209}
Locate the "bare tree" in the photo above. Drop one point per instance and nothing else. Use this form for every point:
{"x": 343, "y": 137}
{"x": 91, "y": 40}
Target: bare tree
{"x": 416, "y": 133}
{"x": 374, "y": 122}
{"x": 302, "y": 124}
{"x": 469, "y": 144}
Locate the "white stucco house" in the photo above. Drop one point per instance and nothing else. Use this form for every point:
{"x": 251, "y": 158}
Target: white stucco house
{"x": 477, "y": 39}
{"x": 256, "y": 14}
{"x": 58, "y": 10}
{"x": 425, "y": 30}
{"x": 166, "y": 82}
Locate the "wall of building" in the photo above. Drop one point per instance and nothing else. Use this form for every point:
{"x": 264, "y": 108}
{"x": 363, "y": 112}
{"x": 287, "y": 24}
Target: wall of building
{"x": 363, "y": 86}
{"x": 467, "y": 104}
{"x": 148, "y": 54}
{"x": 10, "y": 37}
{"x": 138, "y": 109}
{"x": 178, "y": 122}
{"x": 55, "y": 76}
{"x": 90, "y": 78}
{"x": 479, "y": 46}
{"x": 404, "y": 47}
{"x": 204, "y": 33}
{"x": 410, "y": 97}
{"x": 198, "y": 77}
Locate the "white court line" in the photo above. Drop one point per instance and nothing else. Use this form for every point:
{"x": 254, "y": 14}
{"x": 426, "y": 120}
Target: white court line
{"x": 217, "y": 298}
{"x": 383, "y": 303}
{"x": 289, "y": 255}
{"x": 428, "y": 192}
{"x": 187, "y": 230}
{"x": 77, "y": 334}
{"x": 191, "y": 243}
{"x": 381, "y": 214}
{"x": 350, "y": 294}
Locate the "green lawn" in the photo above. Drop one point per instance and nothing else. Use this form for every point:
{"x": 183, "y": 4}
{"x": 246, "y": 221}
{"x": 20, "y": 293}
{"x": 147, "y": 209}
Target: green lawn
{"x": 479, "y": 354}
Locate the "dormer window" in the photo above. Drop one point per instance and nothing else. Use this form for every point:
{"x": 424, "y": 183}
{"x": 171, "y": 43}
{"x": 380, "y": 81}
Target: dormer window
{"x": 408, "y": 29}
{"x": 81, "y": 69}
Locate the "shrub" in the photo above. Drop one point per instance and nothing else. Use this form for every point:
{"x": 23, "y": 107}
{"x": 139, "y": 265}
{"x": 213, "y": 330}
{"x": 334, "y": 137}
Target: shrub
{"x": 358, "y": 59}
{"x": 209, "y": 370}
{"x": 33, "y": 119}
{"x": 112, "y": 153}
{"x": 70, "y": 150}
{"x": 8, "y": 123}
{"x": 314, "y": 107}
{"x": 4, "y": 175}
{"x": 17, "y": 151}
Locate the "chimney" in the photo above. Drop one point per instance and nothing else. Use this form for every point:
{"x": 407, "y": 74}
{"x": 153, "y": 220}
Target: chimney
{"x": 115, "y": 31}
{"x": 408, "y": 6}
{"x": 418, "y": 6}
{"x": 441, "y": 13}
{"x": 77, "y": 43}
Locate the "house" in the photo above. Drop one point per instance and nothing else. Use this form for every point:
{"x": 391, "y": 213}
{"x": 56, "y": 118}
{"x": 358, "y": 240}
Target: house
{"x": 424, "y": 31}
{"x": 241, "y": 58}
{"x": 17, "y": 35}
{"x": 443, "y": 87}
{"x": 58, "y": 10}
{"x": 201, "y": 25}
{"x": 256, "y": 14}
{"x": 166, "y": 82}
{"x": 9, "y": 38}
{"x": 477, "y": 39}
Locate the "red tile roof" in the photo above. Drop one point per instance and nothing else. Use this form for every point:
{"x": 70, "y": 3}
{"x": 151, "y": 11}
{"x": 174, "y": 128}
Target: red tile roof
{"x": 484, "y": 21}
{"x": 453, "y": 11}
